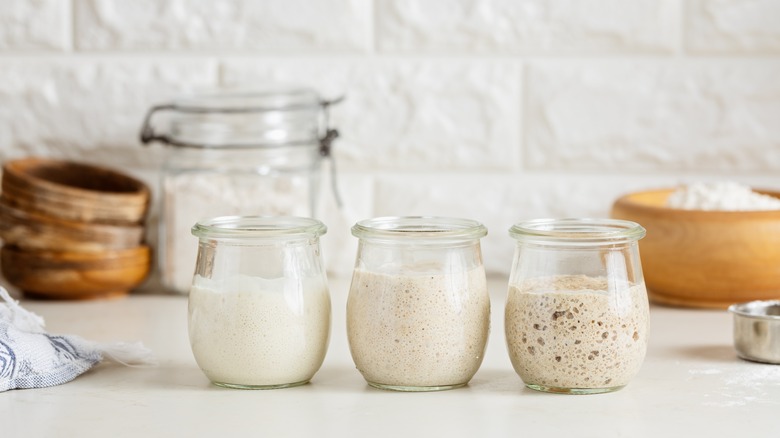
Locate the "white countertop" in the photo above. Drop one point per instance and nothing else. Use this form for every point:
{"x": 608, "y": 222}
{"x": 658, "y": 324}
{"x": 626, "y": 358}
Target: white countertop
{"x": 691, "y": 384}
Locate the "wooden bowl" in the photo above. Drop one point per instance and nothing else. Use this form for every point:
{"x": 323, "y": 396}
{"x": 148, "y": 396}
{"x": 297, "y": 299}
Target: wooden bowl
{"x": 74, "y": 191}
{"x": 30, "y": 231}
{"x": 75, "y": 275}
{"x": 711, "y": 259}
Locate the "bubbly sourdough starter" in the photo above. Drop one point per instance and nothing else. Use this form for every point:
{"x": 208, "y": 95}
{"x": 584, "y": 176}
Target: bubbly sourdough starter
{"x": 248, "y": 331}
{"x": 570, "y": 332}
{"x": 418, "y": 330}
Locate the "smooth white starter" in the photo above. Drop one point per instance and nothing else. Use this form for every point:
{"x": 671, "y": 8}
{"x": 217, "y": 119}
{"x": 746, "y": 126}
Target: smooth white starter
{"x": 249, "y": 331}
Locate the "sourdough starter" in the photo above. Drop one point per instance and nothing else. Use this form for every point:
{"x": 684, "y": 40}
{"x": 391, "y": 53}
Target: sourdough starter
{"x": 576, "y": 331}
{"x": 418, "y": 330}
{"x": 255, "y": 332}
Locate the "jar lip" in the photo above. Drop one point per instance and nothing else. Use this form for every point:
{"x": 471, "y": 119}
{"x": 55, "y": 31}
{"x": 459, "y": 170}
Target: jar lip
{"x": 419, "y": 228}
{"x": 258, "y": 227}
{"x": 274, "y": 98}
{"x": 577, "y": 231}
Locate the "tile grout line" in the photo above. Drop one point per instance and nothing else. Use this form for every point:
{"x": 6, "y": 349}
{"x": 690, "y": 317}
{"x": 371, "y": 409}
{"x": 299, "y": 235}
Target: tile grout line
{"x": 681, "y": 27}
{"x": 70, "y": 30}
{"x": 525, "y": 91}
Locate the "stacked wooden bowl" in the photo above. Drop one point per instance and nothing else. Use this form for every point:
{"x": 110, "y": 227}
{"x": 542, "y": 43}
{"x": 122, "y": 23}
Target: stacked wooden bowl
{"x": 71, "y": 230}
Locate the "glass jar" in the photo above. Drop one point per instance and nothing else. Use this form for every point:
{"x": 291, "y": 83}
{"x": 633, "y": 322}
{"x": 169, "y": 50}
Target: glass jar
{"x": 231, "y": 153}
{"x": 259, "y": 306}
{"x": 418, "y": 312}
{"x": 577, "y": 310}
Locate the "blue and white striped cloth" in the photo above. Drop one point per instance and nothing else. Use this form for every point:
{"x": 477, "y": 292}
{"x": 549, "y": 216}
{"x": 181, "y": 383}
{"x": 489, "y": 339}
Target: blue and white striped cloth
{"x": 31, "y": 358}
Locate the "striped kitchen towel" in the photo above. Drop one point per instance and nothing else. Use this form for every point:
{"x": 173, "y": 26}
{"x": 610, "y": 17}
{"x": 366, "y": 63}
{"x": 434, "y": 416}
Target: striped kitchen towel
{"x": 32, "y": 358}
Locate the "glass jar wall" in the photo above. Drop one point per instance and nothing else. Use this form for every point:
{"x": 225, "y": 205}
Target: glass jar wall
{"x": 259, "y": 307}
{"x": 257, "y": 153}
{"x": 418, "y": 312}
{"x": 576, "y": 316}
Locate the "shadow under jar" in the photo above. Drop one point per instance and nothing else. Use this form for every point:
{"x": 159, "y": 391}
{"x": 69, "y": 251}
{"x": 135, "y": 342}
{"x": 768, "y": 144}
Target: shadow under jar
{"x": 418, "y": 312}
{"x": 577, "y": 310}
{"x": 259, "y": 306}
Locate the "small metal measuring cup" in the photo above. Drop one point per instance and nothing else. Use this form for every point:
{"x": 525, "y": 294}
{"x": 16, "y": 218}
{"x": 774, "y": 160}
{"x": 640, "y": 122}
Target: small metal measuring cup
{"x": 757, "y": 330}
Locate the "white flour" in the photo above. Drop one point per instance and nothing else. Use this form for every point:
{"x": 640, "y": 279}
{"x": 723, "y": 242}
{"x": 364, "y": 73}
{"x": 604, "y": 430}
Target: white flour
{"x": 724, "y": 196}
{"x": 191, "y": 197}
{"x": 739, "y": 386}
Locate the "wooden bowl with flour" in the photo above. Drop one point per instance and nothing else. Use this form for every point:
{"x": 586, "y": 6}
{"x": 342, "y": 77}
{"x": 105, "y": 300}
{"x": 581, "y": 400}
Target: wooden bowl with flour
{"x": 708, "y": 259}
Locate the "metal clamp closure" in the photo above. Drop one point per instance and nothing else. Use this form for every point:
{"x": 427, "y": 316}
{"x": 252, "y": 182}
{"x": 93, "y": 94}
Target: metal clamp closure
{"x": 326, "y": 144}
{"x": 147, "y": 132}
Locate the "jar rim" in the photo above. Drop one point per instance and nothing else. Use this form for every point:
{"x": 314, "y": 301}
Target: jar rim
{"x": 583, "y": 231}
{"x": 258, "y": 227}
{"x": 278, "y": 115}
{"x": 276, "y": 98}
{"x": 419, "y": 228}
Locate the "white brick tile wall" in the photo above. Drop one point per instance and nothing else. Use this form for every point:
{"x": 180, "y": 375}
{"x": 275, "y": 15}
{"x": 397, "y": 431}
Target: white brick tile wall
{"x": 733, "y": 26}
{"x": 423, "y": 114}
{"x": 339, "y": 247}
{"x": 497, "y": 110}
{"x": 518, "y": 26}
{"x": 619, "y": 115}
{"x": 498, "y": 201}
{"x": 270, "y": 25}
{"x": 34, "y": 25}
{"x": 86, "y": 109}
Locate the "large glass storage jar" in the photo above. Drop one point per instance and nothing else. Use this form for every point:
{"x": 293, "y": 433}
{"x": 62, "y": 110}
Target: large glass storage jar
{"x": 577, "y": 311}
{"x": 418, "y": 311}
{"x": 259, "y": 307}
{"x": 252, "y": 153}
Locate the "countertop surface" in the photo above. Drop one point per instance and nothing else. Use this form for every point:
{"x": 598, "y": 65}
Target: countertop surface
{"x": 691, "y": 384}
